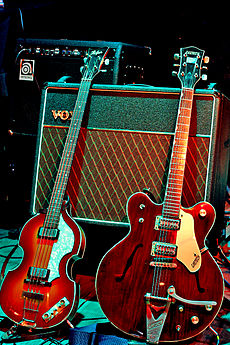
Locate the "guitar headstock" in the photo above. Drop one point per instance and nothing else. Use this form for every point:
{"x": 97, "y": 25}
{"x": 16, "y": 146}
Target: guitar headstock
{"x": 191, "y": 63}
{"x": 93, "y": 62}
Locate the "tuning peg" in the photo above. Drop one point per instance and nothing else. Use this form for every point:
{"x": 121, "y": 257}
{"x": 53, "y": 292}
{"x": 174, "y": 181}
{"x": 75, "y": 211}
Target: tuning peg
{"x": 204, "y": 77}
{"x": 176, "y": 56}
{"x": 206, "y": 59}
{"x": 174, "y": 73}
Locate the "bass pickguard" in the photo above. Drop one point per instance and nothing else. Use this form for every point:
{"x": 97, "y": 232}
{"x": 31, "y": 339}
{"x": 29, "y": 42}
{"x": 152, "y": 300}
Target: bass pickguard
{"x": 63, "y": 246}
{"x": 188, "y": 251}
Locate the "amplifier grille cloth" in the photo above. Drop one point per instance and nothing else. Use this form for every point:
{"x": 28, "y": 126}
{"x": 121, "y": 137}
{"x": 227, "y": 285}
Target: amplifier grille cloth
{"x": 111, "y": 165}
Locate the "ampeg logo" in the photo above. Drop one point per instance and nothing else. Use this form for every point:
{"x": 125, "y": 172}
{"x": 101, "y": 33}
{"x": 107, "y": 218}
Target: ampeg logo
{"x": 26, "y": 70}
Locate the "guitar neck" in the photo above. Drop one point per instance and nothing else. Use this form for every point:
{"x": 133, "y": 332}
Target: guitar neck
{"x": 172, "y": 202}
{"x": 53, "y": 212}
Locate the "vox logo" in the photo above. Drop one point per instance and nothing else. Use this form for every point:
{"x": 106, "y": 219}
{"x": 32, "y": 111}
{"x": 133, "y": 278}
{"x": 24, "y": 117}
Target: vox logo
{"x": 63, "y": 114}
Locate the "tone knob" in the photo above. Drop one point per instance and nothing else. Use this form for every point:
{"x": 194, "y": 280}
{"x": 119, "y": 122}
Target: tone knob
{"x": 178, "y": 328}
{"x": 195, "y": 319}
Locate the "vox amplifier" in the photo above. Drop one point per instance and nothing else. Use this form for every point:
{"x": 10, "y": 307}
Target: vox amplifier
{"x": 124, "y": 147}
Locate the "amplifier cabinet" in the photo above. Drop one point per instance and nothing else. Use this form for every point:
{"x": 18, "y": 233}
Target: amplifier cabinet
{"x": 124, "y": 146}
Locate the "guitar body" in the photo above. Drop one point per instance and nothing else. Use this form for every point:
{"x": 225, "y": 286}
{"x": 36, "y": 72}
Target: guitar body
{"x": 125, "y": 274}
{"x": 43, "y": 299}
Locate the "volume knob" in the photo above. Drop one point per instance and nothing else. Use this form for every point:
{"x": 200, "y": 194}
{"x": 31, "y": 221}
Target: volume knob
{"x": 195, "y": 319}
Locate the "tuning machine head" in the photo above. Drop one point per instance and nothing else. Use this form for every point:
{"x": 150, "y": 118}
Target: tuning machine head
{"x": 206, "y": 59}
{"x": 205, "y": 68}
{"x": 176, "y": 57}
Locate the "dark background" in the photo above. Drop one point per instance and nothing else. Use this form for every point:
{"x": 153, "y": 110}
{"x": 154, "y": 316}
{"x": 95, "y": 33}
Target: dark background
{"x": 163, "y": 26}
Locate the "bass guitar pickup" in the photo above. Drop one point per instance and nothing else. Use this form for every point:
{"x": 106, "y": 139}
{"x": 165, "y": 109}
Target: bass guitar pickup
{"x": 162, "y": 223}
{"x": 48, "y": 233}
{"x": 37, "y": 275}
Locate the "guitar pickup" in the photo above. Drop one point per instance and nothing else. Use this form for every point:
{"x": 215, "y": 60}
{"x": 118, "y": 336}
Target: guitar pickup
{"x": 162, "y": 223}
{"x": 163, "y": 249}
{"x": 50, "y": 234}
{"x": 38, "y": 273}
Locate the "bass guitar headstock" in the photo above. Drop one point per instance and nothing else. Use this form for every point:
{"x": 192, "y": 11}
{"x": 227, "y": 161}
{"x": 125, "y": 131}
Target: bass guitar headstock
{"x": 93, "y": 62}
{"x": 190, "y": 66}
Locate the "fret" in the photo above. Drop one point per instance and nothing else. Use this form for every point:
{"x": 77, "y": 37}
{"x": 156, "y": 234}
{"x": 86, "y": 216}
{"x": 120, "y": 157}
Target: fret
{"x": 184, "y": 132}
{"x": 174, "y": 195}
{"x": 169, "y": 210}
{"x": 174, "y": 186}
{"x": 179, "y": 146}
{"x": 172, "y": 207}
{"x": 53, "y": 212}
{"x": 171, "y": 213}
{"x": 185, "y": 108}
{"x": 182, "y": 115}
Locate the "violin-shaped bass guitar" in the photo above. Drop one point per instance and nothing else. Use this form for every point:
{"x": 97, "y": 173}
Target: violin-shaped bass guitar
{"x": 41, "y": 293}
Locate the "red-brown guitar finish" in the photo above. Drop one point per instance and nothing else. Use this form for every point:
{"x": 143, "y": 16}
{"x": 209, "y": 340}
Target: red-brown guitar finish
{"x": 125, "y": 276}
{"x": 13, "y": 298}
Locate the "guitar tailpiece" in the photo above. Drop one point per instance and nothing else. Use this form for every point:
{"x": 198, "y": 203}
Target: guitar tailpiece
{"x": 154, "y": 326}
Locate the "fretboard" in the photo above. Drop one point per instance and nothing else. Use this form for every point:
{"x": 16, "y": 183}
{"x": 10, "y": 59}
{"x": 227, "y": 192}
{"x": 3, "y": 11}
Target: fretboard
{"x": 56, "y": 200}
{"x": 172, "y": 201}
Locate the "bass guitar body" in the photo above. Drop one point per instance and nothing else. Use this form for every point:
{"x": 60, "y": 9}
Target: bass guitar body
{"x": 40, "y": 292}
{"x": 154, "y": 287}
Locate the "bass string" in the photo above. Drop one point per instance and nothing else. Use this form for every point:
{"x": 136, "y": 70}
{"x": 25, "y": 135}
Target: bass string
{"x": 44, "y": 248}
{"x": 52, "y": 218}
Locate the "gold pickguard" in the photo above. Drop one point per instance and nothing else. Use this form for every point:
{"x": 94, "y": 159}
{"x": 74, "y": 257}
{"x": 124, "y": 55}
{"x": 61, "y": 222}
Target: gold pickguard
{"x": 188, "y": 251}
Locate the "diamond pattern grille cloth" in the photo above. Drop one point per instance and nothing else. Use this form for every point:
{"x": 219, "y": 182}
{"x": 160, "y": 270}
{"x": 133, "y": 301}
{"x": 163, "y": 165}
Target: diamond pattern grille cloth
{"x": 111, "y": 165}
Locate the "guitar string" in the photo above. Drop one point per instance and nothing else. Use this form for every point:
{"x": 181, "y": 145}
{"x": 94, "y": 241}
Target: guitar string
{"x": 43, "y": 244}
{"x": 164, "y": 235}
{"x": 43, "y": 235}
{"x": 52, "y": 219}
{"x": 171, "y": 198}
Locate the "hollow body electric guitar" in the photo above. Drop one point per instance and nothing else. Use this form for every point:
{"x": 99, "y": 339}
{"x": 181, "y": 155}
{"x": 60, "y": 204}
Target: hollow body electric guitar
{"x": 160, "y": 282}
{"x": 41, "y": 293}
